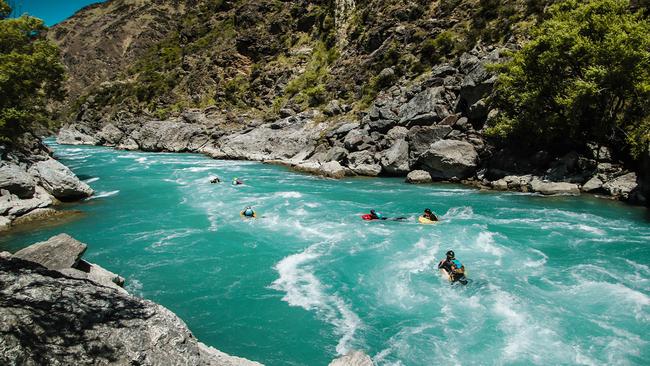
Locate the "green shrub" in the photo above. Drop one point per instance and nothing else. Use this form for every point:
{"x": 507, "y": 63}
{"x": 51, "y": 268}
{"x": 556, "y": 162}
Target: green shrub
{"x": 584, "y": 76}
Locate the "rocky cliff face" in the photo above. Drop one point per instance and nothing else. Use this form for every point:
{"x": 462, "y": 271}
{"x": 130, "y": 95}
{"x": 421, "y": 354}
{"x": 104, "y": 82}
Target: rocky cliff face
{"x": 31, "y": 181}
{"x": 53, "y": 314}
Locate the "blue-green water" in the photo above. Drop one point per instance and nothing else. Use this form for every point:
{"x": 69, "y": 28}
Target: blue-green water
{"x": 555, "y": 280}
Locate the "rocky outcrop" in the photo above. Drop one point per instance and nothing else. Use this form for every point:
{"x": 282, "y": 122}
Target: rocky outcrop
{"x": 31, "y": 181}
{"x": 60, "y": 181}
{"x": 52, "y": 318}
{"x": 450, "y": 159}
{"x": 553, "y": 188}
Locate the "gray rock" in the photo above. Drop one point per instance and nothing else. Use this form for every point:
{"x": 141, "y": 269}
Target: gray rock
{"x": 500, "y": 185}
{"x": 345, "y": 128}
{"x": 95, "y": 273}
{"x": 422, "y": 108}
{"x": 75, "y": 135}
{"x": 58, "y": 252}
{"x": 622, "y": 186}
{"x": 16, "y": 207}
{"x": 332, "y": 169}
{"x": 75, "y": 322}
{"x": 382, "y": 125}
{"x": 450, "y": 159}
{"x": 336, "y": 153}
{"x": 593, "y": 184}
{"x": 420, "y": 139}
{"x": 110, "y": 135}
{"x": 395, "y": 160}
{"x": 418, "y": 177}
{"x": 367, "y": 170}
{"x": 57, "y": 179}
{"x": 553, "y": 188}
{"x": 353, "y": 358}
{"x": 353, "y": 139}
{"x": 16, "y": 180}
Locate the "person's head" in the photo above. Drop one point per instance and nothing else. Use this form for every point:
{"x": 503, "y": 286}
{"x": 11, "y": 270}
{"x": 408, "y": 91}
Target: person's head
{"x": 427, "y": 211}
{"x": 372, "y": 212}
{"x": 450, "y": 254}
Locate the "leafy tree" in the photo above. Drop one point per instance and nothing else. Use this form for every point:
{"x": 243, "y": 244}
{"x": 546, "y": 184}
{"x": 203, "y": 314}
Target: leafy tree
{"x": 584, "y": 76}
{"x": 30, "y": 73}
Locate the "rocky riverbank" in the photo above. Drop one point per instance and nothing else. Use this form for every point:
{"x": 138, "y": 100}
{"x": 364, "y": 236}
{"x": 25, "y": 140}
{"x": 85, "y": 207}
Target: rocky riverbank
{"x": 32, "y": 182}
{"x": 57, "y": 308}
{"x": 427, "y": 130}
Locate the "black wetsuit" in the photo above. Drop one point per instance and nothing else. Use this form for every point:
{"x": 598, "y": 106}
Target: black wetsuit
{"x": 449, "y": 266}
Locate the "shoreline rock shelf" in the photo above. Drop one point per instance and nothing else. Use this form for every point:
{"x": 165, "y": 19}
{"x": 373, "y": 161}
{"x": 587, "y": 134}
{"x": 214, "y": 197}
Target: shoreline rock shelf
{"x": 57, "y": 308}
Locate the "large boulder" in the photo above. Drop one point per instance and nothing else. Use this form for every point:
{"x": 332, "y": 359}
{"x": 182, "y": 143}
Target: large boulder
{"x": 621, "y": 187}
{"x": 52, "y": 319}
{"x": 16, "y": 180}
{"x": 420, "y": 139}
{"x": 76, "y": 135}
{"x": 57, "y": 179}
{"x": 59, "y": 252}
{"x": 450, "y": 159}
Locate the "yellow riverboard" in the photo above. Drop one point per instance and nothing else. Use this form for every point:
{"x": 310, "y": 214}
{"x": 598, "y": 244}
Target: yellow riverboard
{"x": 424, "y": 220}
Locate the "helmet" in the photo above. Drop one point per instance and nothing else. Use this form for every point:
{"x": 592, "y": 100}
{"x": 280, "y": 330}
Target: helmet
{"x": 372, "y": 212}
{"x": 427, "y": 210}
{"x": 450, "y": 254}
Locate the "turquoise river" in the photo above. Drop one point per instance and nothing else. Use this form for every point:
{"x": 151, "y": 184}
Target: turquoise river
{"x": 562, "y": 280}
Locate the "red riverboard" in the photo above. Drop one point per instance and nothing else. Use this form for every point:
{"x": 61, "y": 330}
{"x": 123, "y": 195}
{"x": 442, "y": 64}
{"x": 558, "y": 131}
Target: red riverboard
{"x": 366, "y": 217}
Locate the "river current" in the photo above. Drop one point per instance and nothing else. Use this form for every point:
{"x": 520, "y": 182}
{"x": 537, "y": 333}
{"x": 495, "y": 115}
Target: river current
{"x": 563, "y": 280}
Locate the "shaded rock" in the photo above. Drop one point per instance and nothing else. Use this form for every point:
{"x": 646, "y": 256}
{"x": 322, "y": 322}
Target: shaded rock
{"x": 14, "y": 206}
{"x": 16, "y": 180}
{"x": 353, "y": 139}
{"x": 49, "y": 318}
{"x": 425, "y": 108}
{"x": 450, "y": 159}
{"x": 621, "y": 187}
{"x": 57, "y": 179}
{"x": 353, "y": 358}
{"x": 58, "y": 252}
{"x": 420, "y": 139}
{"x": 95, "y": 273}
{"x": 337, "y": 153}
{"x": 553, "y": 188}
{"x": 593, "y": 184}
{"x": 382, "y": 125}
{"x": 418, "y": 177}
{"x": 345, "y": 128}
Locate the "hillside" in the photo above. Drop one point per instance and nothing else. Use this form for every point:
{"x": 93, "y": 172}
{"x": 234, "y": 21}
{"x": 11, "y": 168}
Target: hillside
{"x": 368, "y": 85}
